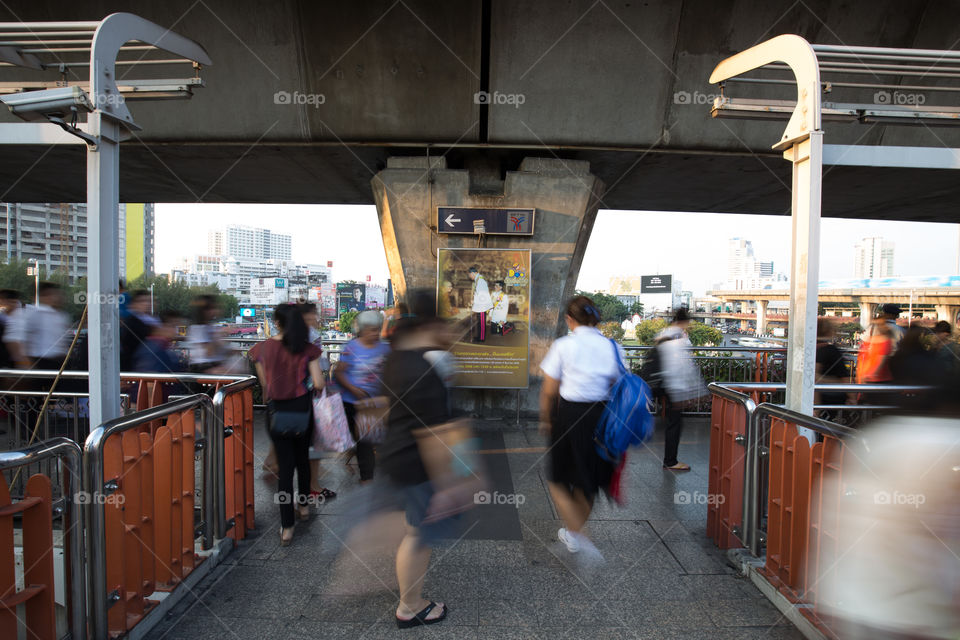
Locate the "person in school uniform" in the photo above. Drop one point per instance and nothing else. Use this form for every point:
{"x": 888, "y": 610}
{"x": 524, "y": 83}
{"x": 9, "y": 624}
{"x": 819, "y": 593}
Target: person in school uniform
{"x": 578, "y": 372}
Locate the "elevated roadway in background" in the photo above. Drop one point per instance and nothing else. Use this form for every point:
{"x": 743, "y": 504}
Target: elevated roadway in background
{"x": 306, "y": 101}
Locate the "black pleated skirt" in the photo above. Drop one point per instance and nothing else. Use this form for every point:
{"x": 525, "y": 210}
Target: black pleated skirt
{"x": 574, "y": 461}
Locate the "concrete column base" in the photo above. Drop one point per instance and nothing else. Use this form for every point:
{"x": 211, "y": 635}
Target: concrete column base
{"x": 867, "y": 311}
{"x": 566, "y": 197}
{"x": 948, "y": 313}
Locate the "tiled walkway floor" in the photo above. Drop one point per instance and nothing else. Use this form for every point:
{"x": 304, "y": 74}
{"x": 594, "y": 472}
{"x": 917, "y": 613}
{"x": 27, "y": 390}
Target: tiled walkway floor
{"x": 662, "y": 578}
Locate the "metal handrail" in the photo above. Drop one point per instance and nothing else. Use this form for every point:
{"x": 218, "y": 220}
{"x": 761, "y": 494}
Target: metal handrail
{"x": 126, "y": 375}
{"x": 217, "y": 451}
{"x": 93, "y": 484}
{"x": 69, "y": 453}
{"x": 734, "y": 391}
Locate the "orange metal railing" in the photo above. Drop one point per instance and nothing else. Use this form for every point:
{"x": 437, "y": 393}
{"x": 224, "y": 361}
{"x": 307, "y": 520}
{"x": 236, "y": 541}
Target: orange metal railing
{"x": 233, "y": 413}
{"x": 140, "y": 470}
{"x": 36, "y": 511}
{"x": 731, "y": 459}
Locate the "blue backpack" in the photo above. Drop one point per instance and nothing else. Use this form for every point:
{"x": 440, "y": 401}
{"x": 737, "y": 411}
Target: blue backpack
{"x": 627, "y": 420}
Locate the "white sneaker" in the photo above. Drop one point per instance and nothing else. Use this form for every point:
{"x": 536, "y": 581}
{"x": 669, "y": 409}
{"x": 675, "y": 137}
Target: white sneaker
{"x": 569, "y": 540}
{"x": 588, "y": 549}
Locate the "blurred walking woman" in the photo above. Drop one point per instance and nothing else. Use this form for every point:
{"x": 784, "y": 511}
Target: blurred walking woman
{"x": 285, "y": 363}
{"x": 578, "y": 371}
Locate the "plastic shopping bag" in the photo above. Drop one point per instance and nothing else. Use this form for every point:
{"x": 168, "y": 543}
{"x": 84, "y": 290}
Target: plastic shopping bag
{"x": 330, "y": 429}
{"x": 371, "y": 418}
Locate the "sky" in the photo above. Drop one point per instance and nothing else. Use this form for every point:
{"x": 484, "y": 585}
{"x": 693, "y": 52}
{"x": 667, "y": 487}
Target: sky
{"x": 691, "y": 246}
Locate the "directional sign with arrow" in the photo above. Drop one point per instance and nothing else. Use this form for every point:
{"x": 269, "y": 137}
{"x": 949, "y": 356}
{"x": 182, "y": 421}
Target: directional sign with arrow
{"x": 505, "y": 222}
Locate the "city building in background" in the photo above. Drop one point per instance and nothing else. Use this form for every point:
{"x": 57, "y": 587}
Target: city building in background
{"x": 873, "y": 258}
{"x": 745, "y": 271}
{"x": 55, "y": 235}
{"x": 657, "y": 293}
{"x": 136, "y": 240}
{"x": 239, "y": 241}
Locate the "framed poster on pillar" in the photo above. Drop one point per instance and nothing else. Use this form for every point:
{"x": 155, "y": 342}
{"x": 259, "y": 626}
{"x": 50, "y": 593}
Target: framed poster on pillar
{"x": 486, "y": 294}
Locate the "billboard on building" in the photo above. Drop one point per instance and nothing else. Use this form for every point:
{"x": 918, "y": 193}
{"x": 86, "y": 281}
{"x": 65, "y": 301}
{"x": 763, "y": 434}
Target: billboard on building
{"x": 376, "y": 297}
{"x": 491, "y": 311}
{"x": 328, "y": 300}
{"x": 656, "y": 284}
{"x": 351, "y": 297}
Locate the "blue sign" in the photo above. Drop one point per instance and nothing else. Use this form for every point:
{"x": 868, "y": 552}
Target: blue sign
{"x": 248, "y": 312}
{"x": 279, "y": 283}
{"x": 502, "y": 222}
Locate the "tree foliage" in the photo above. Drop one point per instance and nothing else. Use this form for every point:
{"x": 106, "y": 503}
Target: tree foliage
{"x": 346, "y": 321}
{"x": 612, "y": 330}
{"x": 177, "y": 296}
{"x": 648, "y": 330}
{"x": 700, "y": 334}
{"x": 609, "y": 307}
{"x": 636, "y": 308}
{"x": 703, "y": 336}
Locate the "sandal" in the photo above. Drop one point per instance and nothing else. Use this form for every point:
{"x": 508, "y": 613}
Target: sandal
{"x": 680, "y": 466}
{"x": 271, "y": 470}
{"x": 324, "y": 493}
{"x": 285, "y": 542}
{"x": 421, "y": 618}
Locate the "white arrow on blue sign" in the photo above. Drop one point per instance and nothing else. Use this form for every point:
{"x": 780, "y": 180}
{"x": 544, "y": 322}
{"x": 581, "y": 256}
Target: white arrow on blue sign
{"x": 507, "y": 222}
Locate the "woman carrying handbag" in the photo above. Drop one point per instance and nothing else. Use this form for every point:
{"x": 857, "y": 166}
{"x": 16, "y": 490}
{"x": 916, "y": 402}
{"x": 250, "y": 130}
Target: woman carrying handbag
{"x": 284, "y": 363}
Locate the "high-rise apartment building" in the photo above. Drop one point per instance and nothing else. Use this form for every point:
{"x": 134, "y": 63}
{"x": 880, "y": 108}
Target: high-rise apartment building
{"x": 873, "y": 258}
{"x": 239, "y": 241}
{"x": 744, "y": 271}
{"x": 55, "y": 235}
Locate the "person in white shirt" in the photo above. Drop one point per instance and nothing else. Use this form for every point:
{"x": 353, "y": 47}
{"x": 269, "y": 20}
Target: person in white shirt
{"x": 578, "y": 372}
{"x": 501, "y": 303}
{"x": 39, "y": 335}
{"x": 482, "y": 303}
{"x": 681, "y": 383}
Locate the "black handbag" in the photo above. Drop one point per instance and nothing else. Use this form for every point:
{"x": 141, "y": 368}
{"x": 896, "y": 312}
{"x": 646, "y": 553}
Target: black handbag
{"x": 288, "y": 424}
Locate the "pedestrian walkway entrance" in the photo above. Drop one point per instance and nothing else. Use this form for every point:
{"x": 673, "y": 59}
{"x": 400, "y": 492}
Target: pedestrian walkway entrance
{"x": 663, "y": 576}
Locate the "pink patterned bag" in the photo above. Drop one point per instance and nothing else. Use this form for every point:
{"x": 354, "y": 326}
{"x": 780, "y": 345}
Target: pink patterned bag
{"x": 330, "y": 429}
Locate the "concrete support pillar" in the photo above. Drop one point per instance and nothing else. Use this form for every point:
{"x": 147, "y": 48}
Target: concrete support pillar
{"x": 947, "y": 312}
{"x": 744, "y": 325}
{"x": 566, "y": 197}
{"x": 762, "y": 316}
{"x": 867, "y": 311}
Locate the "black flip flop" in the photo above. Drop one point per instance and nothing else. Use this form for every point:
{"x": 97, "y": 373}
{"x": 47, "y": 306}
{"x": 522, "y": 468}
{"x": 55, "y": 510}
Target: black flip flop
{"x": 421, "y": 618}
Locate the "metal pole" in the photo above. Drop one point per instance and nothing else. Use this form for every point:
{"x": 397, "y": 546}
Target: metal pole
{"x": 103, "y": 173}
{"x": 807, "y": 158}
{"x": 151, "y": 298}
{"x": 8, "y": 236}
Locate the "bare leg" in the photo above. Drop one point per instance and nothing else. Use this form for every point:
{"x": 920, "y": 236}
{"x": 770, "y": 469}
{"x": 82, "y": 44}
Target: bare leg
{"x": 270, "y": 462}
{"x": 574, "y": 508}
{"x": 315, "y": 473}
{"x": 412, "y": 561}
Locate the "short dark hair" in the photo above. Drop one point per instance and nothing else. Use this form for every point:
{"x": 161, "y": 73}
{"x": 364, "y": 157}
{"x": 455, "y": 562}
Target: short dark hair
{"x": 307, "y": 307}
{"x": 501, "y": 283}
{"x": 46, "y": 287}
{"x": 942, "y": 327}
{"x": 681, "y": 315}
{"x": 582, "y": 309}
{"x": 474, "y": 269}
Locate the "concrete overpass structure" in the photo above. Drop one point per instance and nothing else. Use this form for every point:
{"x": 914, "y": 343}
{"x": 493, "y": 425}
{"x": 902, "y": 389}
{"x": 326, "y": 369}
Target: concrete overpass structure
{"x": 620, "y": 86}
{"x": 564, "y": 108}
{"x": 946, "y": 301}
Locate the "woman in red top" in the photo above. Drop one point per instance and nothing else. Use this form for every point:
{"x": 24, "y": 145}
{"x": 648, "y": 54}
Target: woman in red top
{"x": 285, "y": 363}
